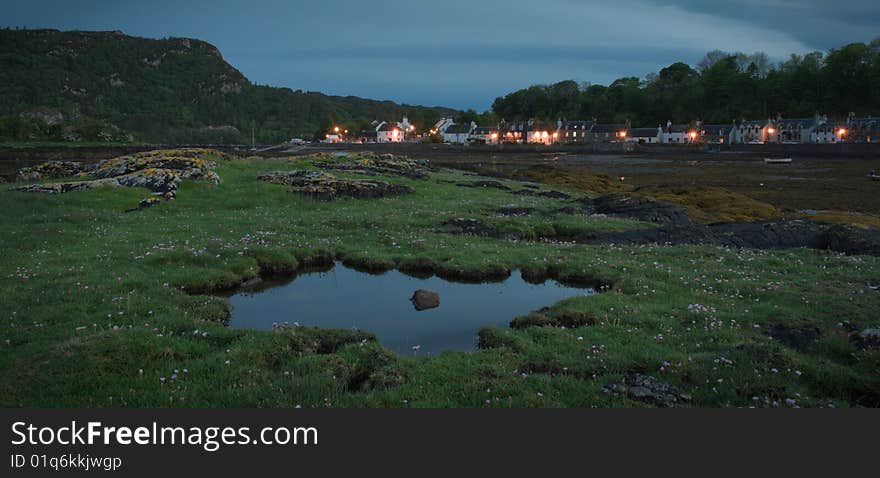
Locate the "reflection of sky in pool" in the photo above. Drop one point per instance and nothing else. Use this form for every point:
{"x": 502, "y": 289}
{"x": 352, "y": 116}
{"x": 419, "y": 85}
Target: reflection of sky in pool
{"x": 345, "y": 298}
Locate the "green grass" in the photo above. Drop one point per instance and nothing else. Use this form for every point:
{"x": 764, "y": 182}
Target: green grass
{"x": 95, "y": 309}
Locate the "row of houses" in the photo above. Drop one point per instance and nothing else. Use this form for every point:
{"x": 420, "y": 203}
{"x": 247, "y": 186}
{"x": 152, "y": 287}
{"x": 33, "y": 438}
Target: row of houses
{"x": 774, "y": 130}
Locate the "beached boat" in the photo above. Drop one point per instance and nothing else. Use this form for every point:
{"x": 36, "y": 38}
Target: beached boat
{"x": 777, "y": 160}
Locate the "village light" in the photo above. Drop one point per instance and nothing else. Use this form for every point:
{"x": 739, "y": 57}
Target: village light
{"x": 693, "y": 135}
{"x": 622, "y": 134}
{"x": 771, "y": 130}
{"x": 841, "y": 132}
{"x": 336, "y": 129}
{"x": 544, "y": 134}
{"x": 395, "y": 132}
{"x": 494, "y": 135}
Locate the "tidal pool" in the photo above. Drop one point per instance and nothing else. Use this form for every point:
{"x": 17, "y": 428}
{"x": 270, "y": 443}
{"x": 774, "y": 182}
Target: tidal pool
{"x": 345, "y": 298}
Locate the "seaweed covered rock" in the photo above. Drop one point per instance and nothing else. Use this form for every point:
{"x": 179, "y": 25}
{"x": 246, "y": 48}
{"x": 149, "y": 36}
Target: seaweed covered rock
{"x": 647, "y": 389}
{"x": 159, "y": 171}
{"x": 637, "y": 207}
{"x": 186, "y": 163}
{"x": 52, "y": 170}
{"x": 372, "y": 164}
{"x": 325, "y": 186}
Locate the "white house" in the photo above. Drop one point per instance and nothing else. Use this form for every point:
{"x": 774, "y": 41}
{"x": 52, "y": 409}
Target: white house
{"x": 753, "y": 132}
{"x": 440, "y": 126}
{"x": 829, "y": 133}
{"x": 644, "y": 135}
{"x": 458, "y": 133}
{"x": 388, "y": 133}
{"x": 677, "y": 134}
{"x": 485, "y": 135}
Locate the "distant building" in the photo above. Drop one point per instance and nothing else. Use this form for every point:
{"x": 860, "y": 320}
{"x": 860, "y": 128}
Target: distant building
{"x": 367, "y": 136}
{"x": 388, "y": 133}
{"x": 829, "y": 133}
{"x": 575, "y": 131}
{"x": 514, "y": 132}
{"x": 484, "y": 135}
{"x": 458, "y": 133}
{"x": 332, "y": 138}
{"x": 862, "y": 130}
{"x": 753, "y": 132}
{"x": 716, "y": 133}
{"x": 677, "y": 133}
{"x": 644, "y": 135}
{"x": 795, "y": 130}
{"x": 440, "y": 126}
{"x": 542, "y": 133}
{"x": 614, "y": 132}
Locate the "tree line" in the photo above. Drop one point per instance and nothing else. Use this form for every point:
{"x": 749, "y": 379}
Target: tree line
{"x": 721, "y": 88}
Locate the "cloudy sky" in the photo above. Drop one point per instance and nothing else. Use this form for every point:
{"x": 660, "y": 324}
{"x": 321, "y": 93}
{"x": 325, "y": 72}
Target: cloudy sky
{"x": 463, "y": 53}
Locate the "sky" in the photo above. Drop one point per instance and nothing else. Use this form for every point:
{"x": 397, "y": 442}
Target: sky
{"x": 463, "y": 53}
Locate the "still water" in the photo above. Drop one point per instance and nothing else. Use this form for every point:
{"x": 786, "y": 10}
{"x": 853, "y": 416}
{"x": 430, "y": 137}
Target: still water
{"x": 346, "y": 298}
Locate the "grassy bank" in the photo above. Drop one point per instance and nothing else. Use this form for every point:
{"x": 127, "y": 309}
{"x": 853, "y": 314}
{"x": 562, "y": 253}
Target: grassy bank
{"x": 107, "y": 308}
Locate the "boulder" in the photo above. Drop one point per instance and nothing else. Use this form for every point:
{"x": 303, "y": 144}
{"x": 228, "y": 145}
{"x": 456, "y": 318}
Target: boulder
{"x": 645, "y": 388}
{"x": 425, "y": 299}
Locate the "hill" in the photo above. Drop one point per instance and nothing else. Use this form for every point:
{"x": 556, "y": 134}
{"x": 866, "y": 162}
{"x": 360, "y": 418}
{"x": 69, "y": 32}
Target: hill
{"x": 108, "y": 86}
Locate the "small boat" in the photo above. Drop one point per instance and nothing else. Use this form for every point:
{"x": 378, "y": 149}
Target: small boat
{"x": 874, "y": 177}
{"x": 777, "y": 160}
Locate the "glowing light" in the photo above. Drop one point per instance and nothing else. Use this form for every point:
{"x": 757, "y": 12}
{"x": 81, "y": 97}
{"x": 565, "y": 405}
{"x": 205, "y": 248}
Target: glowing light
{"x": 841, "y": 132}
{"x": 395, "y": 132}
{"x": 336, "y": 129}
{"x": 555, "y": 135}
{"x": 622, "y": 134}
{"x": 771, "y": 130}
{"x": 693, "y": 135}
{"x": 494, "y": 136}
{"x": 544, "y": 134}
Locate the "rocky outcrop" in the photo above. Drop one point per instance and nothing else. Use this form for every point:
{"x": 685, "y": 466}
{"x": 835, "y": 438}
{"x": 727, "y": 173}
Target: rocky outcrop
{"x": 159, "y": 171}
{"x": 425, "y": 299}
{"x": 51, "y": 170}
{"x": 647, "y": 389}
{"x": 372, "y": 164}
{"x": 324, "y": 186}
{"x": 636, "y": 207}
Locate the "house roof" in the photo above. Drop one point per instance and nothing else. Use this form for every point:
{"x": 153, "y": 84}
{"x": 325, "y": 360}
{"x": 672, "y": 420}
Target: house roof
{"x": 484, "y": 130}
{"x": 367, "y": 133}
{"x": 643, "y": 132}
{"x": 542, "y": 126}
{"x": 386, "y": 126}
{"x": 458, "y": 129}
{"x": 608, "y": 128}
{"x": 677, "y": 128}
{"x": 716, "y": 129}
{"x": 794, "y": 123}
{"x": 577, "y": 125}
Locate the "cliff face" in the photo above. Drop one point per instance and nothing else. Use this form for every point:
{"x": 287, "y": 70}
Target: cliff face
{"x": 108, "y": 86}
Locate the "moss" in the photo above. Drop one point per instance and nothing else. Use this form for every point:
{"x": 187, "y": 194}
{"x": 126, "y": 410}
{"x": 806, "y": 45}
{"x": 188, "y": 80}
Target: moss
{"x": 579, "y": 179}
{"x": 712, "y": 204}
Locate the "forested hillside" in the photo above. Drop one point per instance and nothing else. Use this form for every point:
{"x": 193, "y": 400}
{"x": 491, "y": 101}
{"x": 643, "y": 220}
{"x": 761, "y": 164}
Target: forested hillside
{"x": 721, "y": 88}
{"x": 107, "y": 86}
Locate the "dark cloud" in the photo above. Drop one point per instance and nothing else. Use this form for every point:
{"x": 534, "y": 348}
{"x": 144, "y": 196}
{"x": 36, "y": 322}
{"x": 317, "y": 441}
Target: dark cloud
{"x": 464, "y": 53}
